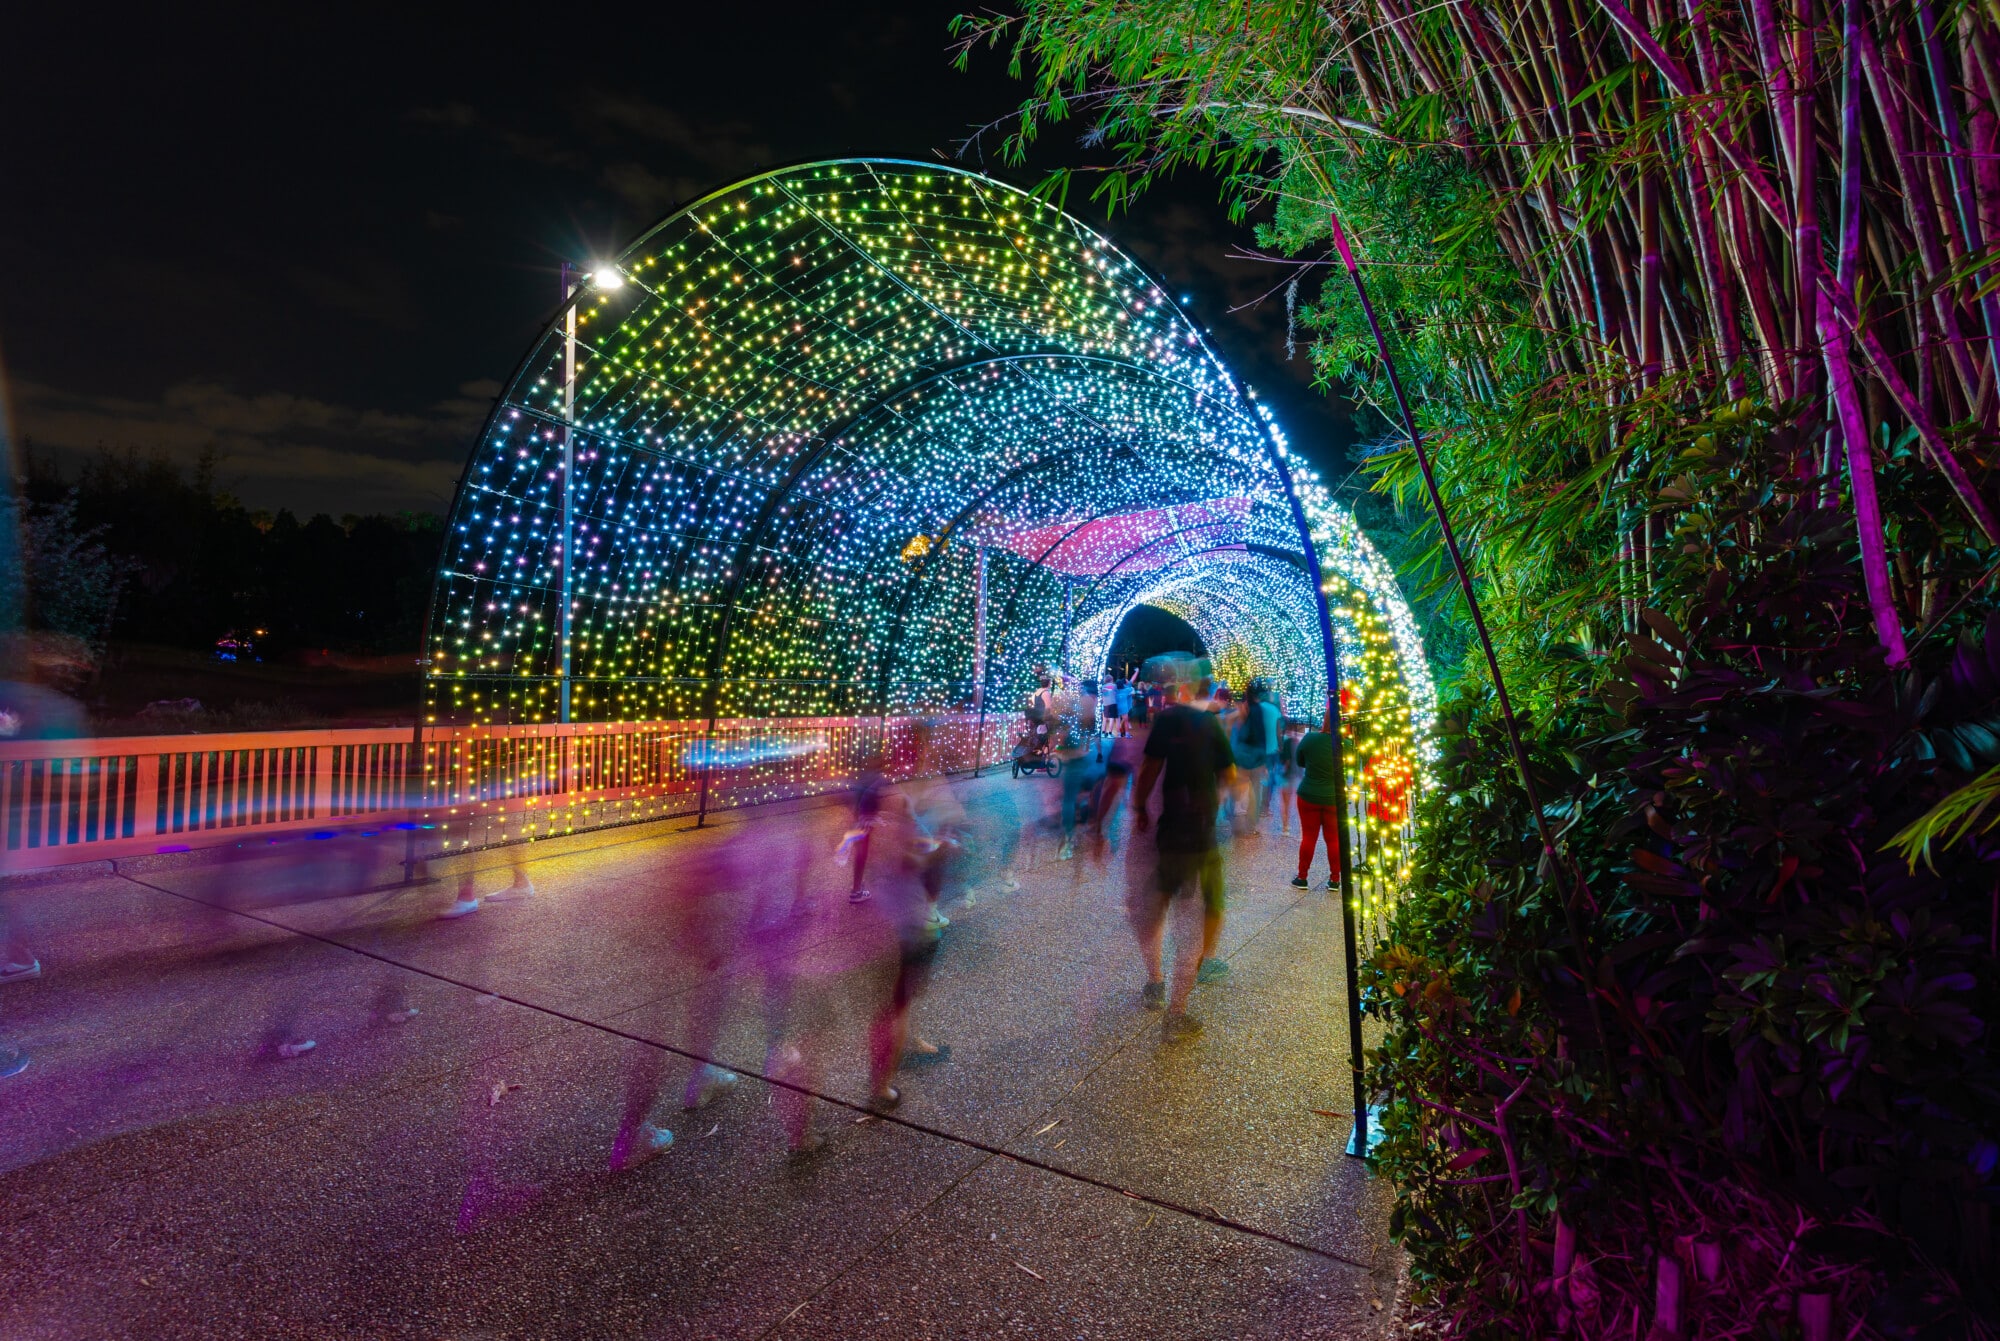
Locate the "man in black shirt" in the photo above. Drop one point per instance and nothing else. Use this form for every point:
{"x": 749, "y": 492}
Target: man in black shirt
{"x": 1192, "y": 750}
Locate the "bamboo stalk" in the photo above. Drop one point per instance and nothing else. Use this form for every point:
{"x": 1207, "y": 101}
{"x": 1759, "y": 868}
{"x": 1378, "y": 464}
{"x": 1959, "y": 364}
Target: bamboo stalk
{"x": 1956, "y": 167}
{"x": 1930, "y": 244}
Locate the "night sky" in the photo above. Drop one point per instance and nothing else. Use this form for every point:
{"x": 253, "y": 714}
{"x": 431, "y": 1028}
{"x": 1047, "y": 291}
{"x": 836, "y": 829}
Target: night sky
{"x": 318, "y": 240}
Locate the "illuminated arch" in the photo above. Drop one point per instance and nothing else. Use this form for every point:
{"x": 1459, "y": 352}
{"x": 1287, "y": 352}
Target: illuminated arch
{"x": 769, "y": 451}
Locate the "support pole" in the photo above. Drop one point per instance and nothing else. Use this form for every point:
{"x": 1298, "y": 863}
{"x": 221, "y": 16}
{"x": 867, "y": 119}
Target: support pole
{"x": 1350, "y": 943}
{"x": 979, "y": 630}
{"x": 1580, "y": 947}
{"x": 1068, "y": 593}
{"x": 979, "y": 661}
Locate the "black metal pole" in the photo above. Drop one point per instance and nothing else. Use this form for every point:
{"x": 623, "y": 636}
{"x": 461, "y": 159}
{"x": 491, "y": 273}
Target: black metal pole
{"x": 1350, "y": 943}
{"x": 1579, "y": 946}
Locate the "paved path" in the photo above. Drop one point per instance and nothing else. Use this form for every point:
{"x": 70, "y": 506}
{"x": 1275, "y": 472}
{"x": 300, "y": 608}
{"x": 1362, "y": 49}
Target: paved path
{"x": 164, "y": 1174}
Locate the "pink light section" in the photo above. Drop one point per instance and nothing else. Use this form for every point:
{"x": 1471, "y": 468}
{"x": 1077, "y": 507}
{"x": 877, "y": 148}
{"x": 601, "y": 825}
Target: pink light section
{"x": 1130, "y": 542}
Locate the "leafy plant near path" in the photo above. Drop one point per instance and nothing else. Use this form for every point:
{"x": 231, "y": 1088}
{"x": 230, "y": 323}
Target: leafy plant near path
{"x": 1799, "y": 1016}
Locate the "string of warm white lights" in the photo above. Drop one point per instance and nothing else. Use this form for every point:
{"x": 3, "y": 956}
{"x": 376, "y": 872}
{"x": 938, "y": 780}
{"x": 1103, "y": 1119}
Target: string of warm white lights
{"x": 796, "y": 420}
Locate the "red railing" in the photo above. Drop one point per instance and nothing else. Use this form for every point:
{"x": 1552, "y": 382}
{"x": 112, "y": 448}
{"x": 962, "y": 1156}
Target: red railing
{"x": 64, "y": 801}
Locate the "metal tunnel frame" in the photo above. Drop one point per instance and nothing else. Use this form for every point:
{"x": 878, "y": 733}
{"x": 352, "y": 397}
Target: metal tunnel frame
{"x": 749, "y": 471}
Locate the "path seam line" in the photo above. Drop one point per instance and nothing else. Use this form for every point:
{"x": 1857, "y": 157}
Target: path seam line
{"x": 887, "y": 1118}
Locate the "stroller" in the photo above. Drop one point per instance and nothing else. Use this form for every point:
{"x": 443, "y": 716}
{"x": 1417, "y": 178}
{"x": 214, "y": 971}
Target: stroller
{"x": 1034, "y": 750}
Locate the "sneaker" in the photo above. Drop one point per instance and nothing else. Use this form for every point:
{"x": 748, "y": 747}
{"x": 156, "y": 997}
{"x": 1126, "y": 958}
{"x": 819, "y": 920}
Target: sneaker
{"x": 13, "y": 1062}
{"x": 297, "y": 1048}
{"x": 522, "y": 888}
{"x": 710, "y": 1081}
{"x": 1178, "y": 1026}
{"x": 807, "y": 1146}
{"x": 1067, "y": 850}
{"x": 1153, "y": 996}
{"x": 647, "y": 1142}
{"x": 403, "y": 1016}
{"x": 1300, "y": 882}
{"x": 1212, "y": 970}
{"x": 937, "y": 921}
{"x": 927, "y": 1054}
{"x": 885, "y": 1099}
{"x": 459, "y": 908}
{"x": 861, "y": 895}
{"x": 1331, "y": 884}
{"x": 20, "y": 972}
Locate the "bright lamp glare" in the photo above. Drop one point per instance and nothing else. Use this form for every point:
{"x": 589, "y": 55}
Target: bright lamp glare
{"x": 607, "y": 277}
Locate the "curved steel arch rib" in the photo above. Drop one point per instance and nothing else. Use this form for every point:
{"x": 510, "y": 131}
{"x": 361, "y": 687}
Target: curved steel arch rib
{"x": 804, "y": 370}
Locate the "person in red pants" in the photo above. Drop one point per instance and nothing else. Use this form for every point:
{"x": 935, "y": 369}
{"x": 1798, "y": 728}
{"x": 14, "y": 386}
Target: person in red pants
{"x": 1317, "y": 760}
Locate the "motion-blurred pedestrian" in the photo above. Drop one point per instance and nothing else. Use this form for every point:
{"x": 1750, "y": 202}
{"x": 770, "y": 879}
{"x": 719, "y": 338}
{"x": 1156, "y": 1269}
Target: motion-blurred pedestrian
{"x": 1318, "y": 764}
{"x": 1289, "y": 772}
{"x": 905, "y": 905}
{"x": 1191, "y": 750}
{"x": 866, "y": 800}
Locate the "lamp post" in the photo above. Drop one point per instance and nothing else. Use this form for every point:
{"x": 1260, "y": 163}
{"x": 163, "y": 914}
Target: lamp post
{"x": 604, "y": 278}
{"x": 571, "y": 285}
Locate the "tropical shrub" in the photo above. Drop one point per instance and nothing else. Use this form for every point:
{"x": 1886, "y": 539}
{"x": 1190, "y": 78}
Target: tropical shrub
{"x": 1798, "y": 1081}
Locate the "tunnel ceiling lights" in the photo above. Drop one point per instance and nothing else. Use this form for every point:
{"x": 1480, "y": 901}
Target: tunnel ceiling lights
{"x": 805, "y": 404}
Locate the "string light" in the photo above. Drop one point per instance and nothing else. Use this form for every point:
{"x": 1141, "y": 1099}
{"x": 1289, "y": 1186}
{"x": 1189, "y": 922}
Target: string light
{"x": 795, "y": 412}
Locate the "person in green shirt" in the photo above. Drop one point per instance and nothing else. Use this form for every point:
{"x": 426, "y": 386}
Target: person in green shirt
{"x": 1317, "y": 760}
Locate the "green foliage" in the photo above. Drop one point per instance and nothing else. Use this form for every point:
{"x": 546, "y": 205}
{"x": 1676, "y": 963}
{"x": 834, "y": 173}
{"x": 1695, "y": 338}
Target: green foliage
{"x": 73, "y": 581}
{"x": 1796, "y": 1019}
{"x": 1952, "y": 818}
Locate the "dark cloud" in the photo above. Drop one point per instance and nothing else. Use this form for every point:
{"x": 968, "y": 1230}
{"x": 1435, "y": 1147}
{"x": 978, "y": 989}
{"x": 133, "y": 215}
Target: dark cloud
{"x": 703, "y": 141}
{"x": 369, "y": 288}
{"x": 456, "y": 115}
{"x": 300, "y": 261}
{"x": 650, "y": 193}
{"x": 276, "y": 449}
{"x": 458, "y": 118}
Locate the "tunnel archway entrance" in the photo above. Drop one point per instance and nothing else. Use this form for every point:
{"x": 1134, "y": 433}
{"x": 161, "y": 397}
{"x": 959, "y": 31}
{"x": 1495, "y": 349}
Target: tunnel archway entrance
{"x": 1146, "y": 631}
{"x": 861, "y": 442}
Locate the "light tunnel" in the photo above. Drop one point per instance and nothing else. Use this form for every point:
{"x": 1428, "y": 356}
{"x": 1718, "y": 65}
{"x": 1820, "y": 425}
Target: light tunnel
{"x": 872, "y": 438}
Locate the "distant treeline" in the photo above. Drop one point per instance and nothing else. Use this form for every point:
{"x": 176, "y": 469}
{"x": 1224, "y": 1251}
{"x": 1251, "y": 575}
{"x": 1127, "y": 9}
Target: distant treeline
{"x": 185, "y": 563}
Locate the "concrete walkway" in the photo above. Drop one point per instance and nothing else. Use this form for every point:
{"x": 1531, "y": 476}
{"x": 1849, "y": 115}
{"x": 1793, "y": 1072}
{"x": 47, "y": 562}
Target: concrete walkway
{"x": 163, "y": 1173}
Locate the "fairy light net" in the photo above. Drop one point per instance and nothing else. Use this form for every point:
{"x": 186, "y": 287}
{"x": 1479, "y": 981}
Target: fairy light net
{"x": 812, "y": 407}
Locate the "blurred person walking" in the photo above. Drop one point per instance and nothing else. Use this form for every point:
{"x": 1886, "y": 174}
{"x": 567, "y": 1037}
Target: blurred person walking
{"x": 28, "y": 711}
{"x": 1188, "y": 752}
{"x": 1082, "y": 769}
{"x": 17, "y": 964}
{"x": 704, "y": 901}
{"x": 520, "y": 886}
{"x": 1274, "y": 739}
{"x": 1317, "y": 762}
{"x": 940, "y": 823}
{"x": 1121, "y": 763}
{"x": 905, "y": 905}
{"x": 1289, "y": 772}
{"x": 797, "y": 990}
{"x": 866, "y": 800}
